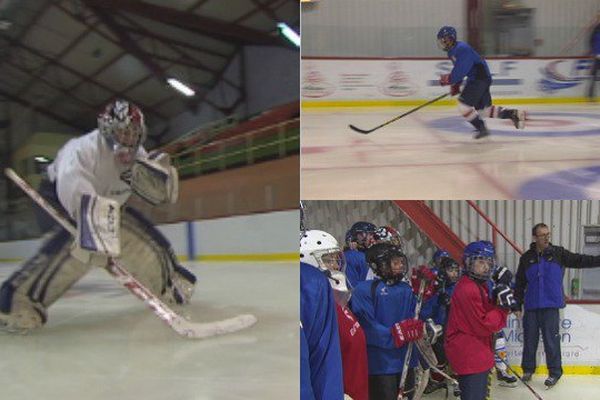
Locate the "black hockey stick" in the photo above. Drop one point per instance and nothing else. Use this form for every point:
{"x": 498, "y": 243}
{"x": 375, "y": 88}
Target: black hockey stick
{"x": 537, "y": 396}
{"x": 367, "y": 131}
{"x": 177, "y": 322}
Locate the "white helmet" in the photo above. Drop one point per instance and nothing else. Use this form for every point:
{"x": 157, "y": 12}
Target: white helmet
{"x": 321, "y": 250}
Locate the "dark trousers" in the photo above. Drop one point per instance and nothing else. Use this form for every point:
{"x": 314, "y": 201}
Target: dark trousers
{"x": 544, "y": 320}
{"x": 594, "y": 73}
{"x": 47, "y": 190}
{"x": 475, "y": 386}
{"x": 385, "y": 387}
{"x": 476, "y": 93}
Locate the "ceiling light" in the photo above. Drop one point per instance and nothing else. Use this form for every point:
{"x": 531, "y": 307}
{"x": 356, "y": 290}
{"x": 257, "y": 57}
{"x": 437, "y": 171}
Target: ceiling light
{"x": 289, "y": 33}
{"x": 41, "y": 159}
{"x": 181, "y": 87}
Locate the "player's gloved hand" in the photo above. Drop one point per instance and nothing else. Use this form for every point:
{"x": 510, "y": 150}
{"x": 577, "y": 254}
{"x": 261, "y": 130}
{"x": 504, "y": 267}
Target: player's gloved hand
{"x": 455, "y": 89}
{"x": 504, "y": 296}
{"x": 430, "y": 278}
{"x": 407, "y": 331}
{"x": 444, "y": 299}
{"x": 445, "y": 80}
{"x": 502, "y": 275}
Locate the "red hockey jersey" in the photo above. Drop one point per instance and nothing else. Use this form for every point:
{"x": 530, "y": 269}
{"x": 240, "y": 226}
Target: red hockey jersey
{"x": 472, "y": 321}
{"x": 354, "y": 355}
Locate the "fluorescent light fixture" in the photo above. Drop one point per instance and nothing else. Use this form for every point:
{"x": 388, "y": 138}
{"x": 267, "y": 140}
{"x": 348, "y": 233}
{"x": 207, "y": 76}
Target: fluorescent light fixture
{"x": 41, "y": 159}
{"x": 289, "y": 33}
{"x": 181, "y": 87}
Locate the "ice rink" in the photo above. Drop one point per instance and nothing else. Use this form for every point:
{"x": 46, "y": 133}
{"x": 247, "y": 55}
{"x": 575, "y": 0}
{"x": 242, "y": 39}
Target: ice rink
{"x": 431, "y": 154}
{"x": 102, "y": 343}
{"x": 583, "y": 387}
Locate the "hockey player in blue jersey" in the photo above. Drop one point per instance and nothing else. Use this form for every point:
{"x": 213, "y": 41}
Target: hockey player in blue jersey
{"x": 320, "y": 356}
{"x": 475, "y": 101}
{"x": 385, "y": 308}
{"x": 359, "y": 238}
{"x": 449, "y": 272}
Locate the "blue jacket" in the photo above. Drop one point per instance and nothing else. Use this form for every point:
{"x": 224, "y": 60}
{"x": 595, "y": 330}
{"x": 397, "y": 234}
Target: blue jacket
{"x": 467, "y": 63}
{"x": 378, "y": 307}
{"x": 540, "y": 276}
{"x": 320, "y": 355}
{"x": 595, "y": 41}
{"x": 439, "y": 311}
{"x": 356, "y": 267}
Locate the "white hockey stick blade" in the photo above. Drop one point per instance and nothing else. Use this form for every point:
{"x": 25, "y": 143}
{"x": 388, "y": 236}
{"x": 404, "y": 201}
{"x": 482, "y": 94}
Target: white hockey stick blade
{"x": 179, "y": 324}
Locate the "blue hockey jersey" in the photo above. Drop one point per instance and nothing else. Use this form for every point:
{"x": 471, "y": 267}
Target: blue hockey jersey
{"x": 356, "y": 267}
{"x": 467, "y": 63}
{"x": 320, "y": 356}
{"x": 376, "y": 315}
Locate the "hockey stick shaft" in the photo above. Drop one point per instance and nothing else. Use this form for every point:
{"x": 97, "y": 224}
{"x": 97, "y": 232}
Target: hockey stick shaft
{"x": 367, "y": 131}
{"x": 537, "y": 396}
{"x": 114, "y": 268}
{"x": 406, "y": 365}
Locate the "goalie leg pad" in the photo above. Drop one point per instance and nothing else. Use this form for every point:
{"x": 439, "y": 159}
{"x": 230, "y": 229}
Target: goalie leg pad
{"x": 98, "y": 225}
{"x": 43, "y": 279}
{"x": 148, "y": 256}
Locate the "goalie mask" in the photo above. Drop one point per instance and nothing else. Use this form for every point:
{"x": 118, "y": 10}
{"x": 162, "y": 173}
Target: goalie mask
{"x": 122, "y": 125}
{"x": 479, "y": 259}
{"x": 387, "y": 234}
{"x": 446, "y": 38}
{"x": 388, "y": 262}
{"x": 321, "y": 250}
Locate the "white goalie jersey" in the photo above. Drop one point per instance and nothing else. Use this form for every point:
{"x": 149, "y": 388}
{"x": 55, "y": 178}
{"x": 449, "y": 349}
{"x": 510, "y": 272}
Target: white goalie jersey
{"x": 86, "y": 165}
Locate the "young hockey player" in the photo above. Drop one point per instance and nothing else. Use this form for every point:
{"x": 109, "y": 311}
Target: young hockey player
{"x": 475, "y": 101}
{"x": 321, "y": 250}
{"x": 359, "y": 238}
{"x": 89, "y": 182}
{"x": 473, "y": 319}
{"x": 320, "y": 357}
{"x": 385, "y": 308}
{"x": 449, "y": 272}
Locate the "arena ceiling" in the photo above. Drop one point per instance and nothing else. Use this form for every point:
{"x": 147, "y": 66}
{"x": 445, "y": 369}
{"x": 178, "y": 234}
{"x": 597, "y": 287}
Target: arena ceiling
{"x": 67, "y": 58}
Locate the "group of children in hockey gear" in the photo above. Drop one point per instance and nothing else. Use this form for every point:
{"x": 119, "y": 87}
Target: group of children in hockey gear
{"x": 381, "y": 299}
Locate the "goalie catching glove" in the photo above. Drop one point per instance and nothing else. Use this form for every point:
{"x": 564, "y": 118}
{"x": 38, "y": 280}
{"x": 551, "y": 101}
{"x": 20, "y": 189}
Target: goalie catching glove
{"x": 154, "y": 179}
{"x": 406, "y": 331}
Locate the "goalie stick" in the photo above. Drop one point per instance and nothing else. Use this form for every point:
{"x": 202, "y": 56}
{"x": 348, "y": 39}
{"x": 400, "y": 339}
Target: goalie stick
{"x": 178, "y": 323}
{"x": 367, "y": 131}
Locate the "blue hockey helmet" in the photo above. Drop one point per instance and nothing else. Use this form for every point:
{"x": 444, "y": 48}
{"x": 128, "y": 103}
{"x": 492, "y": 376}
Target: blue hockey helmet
{"x": 440, "y": 253}
{"x": 446, "y": 37}
{"x": 363, "y": 233}
{"x": 481, "y": 251}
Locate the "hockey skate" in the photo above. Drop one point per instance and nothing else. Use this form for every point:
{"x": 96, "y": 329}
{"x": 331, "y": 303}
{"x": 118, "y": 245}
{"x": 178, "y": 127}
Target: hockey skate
{"x": 481, "y": 133}
{"x": 518, "y": 118}
{"x": 505, "y": 379}
{"x": 551, "y": 381}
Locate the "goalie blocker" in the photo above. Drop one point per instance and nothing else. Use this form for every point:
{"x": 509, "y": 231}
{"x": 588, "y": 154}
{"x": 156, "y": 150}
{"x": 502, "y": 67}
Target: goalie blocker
{"x": 145, "y": 253}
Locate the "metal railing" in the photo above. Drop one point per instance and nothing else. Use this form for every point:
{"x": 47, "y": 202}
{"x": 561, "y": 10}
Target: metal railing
{"x": 271, "y": 142}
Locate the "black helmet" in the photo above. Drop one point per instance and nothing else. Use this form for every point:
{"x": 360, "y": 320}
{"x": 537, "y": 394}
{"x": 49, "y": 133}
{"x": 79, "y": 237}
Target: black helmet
{"x": 380, "y": 256}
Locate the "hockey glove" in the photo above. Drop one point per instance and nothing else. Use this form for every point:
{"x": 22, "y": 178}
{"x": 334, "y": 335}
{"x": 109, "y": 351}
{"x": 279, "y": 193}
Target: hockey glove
{"x": 444, "y": 299}
{"x": 445, "y": 80}
{"x": 455, "y": 89}
{"x": 430, "y": 278}
{"x": 407, "y": 331}
{"x": 502, "y": 275}
{"x": 504, "y": 296}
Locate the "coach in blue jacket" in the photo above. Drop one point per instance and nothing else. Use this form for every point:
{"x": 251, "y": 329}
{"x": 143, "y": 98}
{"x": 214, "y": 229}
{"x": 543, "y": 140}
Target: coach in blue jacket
{"x": 539, "y": 289}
